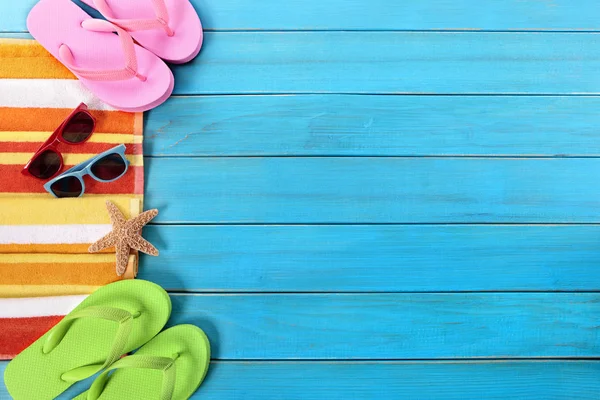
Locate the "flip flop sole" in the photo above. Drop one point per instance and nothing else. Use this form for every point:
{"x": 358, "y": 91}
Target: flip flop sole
{"x": 56, "y": 22}
{"x": 35, "y": 375}
{"x": 182, "y": 47}
{"x": 191, "y": 366}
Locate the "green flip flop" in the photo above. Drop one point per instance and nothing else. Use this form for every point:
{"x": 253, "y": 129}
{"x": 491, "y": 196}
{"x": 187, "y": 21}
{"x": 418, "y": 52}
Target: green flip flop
{"x": 112, "y": 321}
{"x": 169, "y": 367}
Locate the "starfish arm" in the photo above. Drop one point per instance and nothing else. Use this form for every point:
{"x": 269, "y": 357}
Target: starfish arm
{"x": 137, "y": 242}
{"x": 116, "y": 216}
{"x": 122, "y": 257}
{"x": 138, "y": 222}
{"x": 107, "y": 241}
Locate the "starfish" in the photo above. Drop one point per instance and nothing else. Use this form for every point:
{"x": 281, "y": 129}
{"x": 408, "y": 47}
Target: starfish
{"x": 125, "y": 235}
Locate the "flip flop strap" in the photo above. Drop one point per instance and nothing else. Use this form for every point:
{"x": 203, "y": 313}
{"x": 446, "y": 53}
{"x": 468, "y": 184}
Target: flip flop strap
{"x": 131, "y": 65}
{"x": 164, "y": 364}
{"x": 160, "y": 22}
{"x": 122, "y": 317}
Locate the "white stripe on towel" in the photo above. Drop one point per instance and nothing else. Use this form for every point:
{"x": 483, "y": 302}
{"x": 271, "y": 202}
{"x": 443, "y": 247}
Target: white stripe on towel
{"x": 52, "y": 234}
{"x": 38, "y": 306}
{"x": 47, "y": 93}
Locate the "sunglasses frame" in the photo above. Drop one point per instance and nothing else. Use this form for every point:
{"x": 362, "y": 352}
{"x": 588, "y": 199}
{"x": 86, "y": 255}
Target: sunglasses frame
{"x": 57, "y": 137}
{"x": 85, "y": 168}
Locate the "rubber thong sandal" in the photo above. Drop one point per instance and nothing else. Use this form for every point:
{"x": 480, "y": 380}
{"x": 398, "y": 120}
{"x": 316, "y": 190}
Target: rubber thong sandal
{"x": 118, "y": 71}
{"x": 112, "y": 321}
{"x": 169, "y": 367}
{"x": 171, "y": 29}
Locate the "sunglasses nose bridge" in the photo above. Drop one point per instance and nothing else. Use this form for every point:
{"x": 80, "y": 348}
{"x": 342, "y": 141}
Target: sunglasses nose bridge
{"x": 58, "y": 139}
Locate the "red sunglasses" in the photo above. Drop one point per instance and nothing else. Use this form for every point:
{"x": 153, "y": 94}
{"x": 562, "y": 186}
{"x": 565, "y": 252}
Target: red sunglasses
{"x": 75, "y": 129}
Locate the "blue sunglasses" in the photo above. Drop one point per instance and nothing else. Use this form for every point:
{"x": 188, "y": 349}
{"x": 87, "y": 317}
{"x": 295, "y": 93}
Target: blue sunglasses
{"x": 105, "y": 167}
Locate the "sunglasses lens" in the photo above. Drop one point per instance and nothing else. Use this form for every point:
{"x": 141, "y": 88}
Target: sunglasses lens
{"x": 79, "y": 128}
{"x": 69, "y": 186}
{"x": 110, "y": 167}
{"x": 45, "y": 165}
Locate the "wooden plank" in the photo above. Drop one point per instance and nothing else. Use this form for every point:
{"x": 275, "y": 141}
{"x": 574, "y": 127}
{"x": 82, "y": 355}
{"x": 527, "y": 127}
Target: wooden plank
{"x": 519, "y": 380}
{"x": 374, "y": 258}
{"x": 373, "y": 190}
{"x": 336, "y": 125}
{"x": 374, "y": 15}
{"x": 394, "y": 326}
{"x": 13, "y": 17}
{"x": 393, "y": 63}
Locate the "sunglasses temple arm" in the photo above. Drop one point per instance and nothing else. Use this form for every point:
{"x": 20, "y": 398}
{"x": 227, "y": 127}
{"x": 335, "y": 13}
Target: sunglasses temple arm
{"x": 54, "y": 137}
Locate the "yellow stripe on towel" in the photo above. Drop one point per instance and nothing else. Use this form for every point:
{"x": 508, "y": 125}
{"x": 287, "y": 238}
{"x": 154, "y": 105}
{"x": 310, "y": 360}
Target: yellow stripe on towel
{"x": 44, "y": 290}
{"x": 42, "y": 210}
{"x": 68, "y": 158}
{"x": 40, "y": 137}
{"x": 48, "y": 288}
{"x": 58, "y": 274}
{"x": 58, "y": 269}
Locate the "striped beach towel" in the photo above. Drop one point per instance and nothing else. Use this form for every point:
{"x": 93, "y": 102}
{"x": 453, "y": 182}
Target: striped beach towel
{"x": 25, "y": 320}
{"x": 43, "y": 240}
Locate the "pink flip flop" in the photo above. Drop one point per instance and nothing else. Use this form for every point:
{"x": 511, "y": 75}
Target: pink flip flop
{"x": 118, "y": 71}
{"x": 171, "y": 29}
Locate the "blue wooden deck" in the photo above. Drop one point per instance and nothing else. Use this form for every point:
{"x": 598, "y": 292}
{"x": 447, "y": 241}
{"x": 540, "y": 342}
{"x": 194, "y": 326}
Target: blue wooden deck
{"x": 383, "y": 199}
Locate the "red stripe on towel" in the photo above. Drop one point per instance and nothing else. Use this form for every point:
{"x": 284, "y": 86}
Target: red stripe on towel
{"x": 12, "y": 181}
{"x": 19, "y": 333}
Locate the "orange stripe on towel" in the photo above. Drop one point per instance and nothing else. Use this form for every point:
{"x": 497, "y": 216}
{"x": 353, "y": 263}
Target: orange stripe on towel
{"x": 19, "y": 333}
{"x": 79, "y": 248}
{"x": 12, "y": 181}
{"x": 87, "y": 274}
{"x": 48, "y": 119}
{"x": 29, "y": 60}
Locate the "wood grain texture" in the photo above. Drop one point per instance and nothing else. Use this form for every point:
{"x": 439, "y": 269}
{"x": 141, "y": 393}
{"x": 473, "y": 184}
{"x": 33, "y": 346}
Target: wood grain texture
{"x": 336, "y": 125}
{"x": 519, "y": 380}
{"x": 393, "y": 63}
{"x": 378, "y": 258}
{"x": 373, "y": 190}
{"x": 349, "y": 62}
{"x": 388, "y": 381}
{"x": 374, "y": 15}
{"x": 394, "y": 326}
